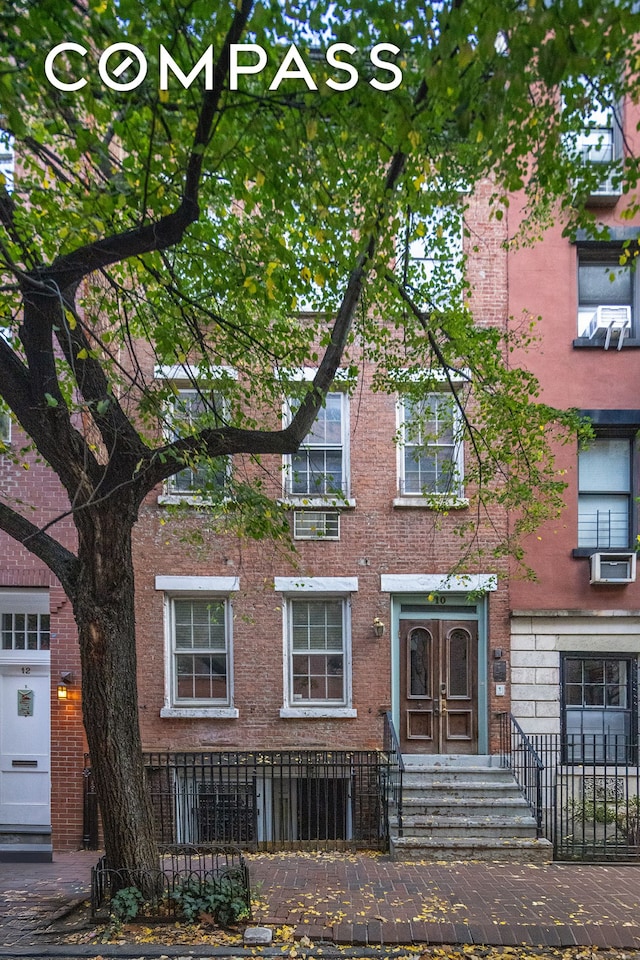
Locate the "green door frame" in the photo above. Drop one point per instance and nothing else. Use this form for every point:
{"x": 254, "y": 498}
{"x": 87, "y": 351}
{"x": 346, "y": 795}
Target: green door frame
{"x": 441, "y": 606}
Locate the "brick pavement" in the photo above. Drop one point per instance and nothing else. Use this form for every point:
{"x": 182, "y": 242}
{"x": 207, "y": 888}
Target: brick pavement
{"x": 366, "y": 899}
{"x": 369, "y": 899}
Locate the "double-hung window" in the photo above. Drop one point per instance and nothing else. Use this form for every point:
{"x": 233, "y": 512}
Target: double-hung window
{"x": 199, "y": 632}
{"x": 605, "y": 493}
{"x": 198, "y": 646}
{"x": 320, "y": 468}
{"x": 607, "y": 294}
{"x": 430, "y": 448}
{"x": 433, "y": 259}
{"x": 317, "y": 646}
{"x": 317, "y": 652}
{"x": 191, "y": 410}
{"x": 596, "y": 140}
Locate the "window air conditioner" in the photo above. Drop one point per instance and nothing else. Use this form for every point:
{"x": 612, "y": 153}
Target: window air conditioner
{"x": 613, "y": 568}
{"x": 608, "y": 322}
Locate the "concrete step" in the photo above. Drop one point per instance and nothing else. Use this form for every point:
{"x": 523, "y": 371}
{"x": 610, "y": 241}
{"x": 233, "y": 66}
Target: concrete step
{"x": 25, "y": 843}
{"x": 452, "y": 826}
{"x": 465, "y": 806}
{"x": 451, "y": 760}
{"x": 26, "y": 853}
{"x": 460, "y": 785}
{"x": 516, "y": 849}
{"x": 471, "y": 774}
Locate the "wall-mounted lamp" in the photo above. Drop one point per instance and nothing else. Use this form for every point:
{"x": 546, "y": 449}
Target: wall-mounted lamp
{"x": 66, "y": 677}
{"x": 378, "y": 627}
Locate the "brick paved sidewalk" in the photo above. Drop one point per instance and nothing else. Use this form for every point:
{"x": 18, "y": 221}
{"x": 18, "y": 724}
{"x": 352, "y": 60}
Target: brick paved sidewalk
{"x": 370, "y": 900}
{"x": 366, "y": 899}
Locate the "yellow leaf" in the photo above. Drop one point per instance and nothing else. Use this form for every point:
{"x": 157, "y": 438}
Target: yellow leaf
{"x": 259, "y": 178}
{"x": 82, "y": 354}
{"x": 71, "y": 320}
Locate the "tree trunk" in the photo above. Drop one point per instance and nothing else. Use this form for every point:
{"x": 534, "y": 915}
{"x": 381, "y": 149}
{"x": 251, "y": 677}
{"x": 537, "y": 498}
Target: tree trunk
{"x": 104, "y": 612}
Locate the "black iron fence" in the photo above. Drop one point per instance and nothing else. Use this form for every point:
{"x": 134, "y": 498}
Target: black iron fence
{"x": 591, "y": 796}
{"x": 584, "y": 790}
{"x": 271, "y": 799}
{"x": 188, "y": 880}
{"x": 267, "y": 800}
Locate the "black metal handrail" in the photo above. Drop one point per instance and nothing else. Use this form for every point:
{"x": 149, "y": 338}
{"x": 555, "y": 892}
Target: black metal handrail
{"x": 395, "y": 769}
{"x": 519, "y": 755}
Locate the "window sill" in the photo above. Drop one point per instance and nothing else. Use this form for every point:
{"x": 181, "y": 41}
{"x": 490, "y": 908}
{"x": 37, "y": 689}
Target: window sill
{"x": 579, "y": 553}
{"x": 582, "y": 343}
{"x": 300, "y": 502}
{"x": 431, "y": 503}
{"x": 193, "y": 713}
{"x": 317, "y": 713}
{"x": 187, "y": 499}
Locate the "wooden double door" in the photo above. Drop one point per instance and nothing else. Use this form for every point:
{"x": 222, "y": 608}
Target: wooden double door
{"x": 438, "y": 686}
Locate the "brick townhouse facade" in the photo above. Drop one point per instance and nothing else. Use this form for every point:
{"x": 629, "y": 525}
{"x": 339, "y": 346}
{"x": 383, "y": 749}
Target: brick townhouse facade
{"x": 244, "y": 648}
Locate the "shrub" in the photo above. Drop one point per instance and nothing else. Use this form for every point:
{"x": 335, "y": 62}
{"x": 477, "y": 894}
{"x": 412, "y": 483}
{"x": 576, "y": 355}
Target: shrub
{"x": 224, "y": 899}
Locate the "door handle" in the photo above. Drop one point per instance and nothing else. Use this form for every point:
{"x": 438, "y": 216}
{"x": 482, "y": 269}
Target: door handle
{"x": 443, "y": 705}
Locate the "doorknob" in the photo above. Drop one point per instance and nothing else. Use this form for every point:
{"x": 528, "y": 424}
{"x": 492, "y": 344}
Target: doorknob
{"x": 443, "y": 705}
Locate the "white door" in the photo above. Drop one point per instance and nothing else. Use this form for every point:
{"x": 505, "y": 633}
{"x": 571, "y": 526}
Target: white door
{"x": 25, "y": 723}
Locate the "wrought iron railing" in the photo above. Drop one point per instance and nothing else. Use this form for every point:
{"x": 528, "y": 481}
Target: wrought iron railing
{"x": 271, "y": 799}
{"x": 584, "y": 790}
{"x": 394, "y": 771}
{"x": 183, "y": 873}
{"x": 591, "y": 791}
{"x": 519, "y": 754}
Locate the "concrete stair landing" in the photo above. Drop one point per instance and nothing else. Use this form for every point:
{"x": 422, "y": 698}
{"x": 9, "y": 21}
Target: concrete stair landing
{"x": 464, "y": 808}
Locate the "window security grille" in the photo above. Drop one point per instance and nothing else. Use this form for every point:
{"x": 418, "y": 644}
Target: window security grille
{"x": 316, "y": 524}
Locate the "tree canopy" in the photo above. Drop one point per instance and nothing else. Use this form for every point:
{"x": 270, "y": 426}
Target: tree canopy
{"x": 247, "y": 204}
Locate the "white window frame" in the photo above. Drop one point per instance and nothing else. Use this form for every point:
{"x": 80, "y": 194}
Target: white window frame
{"x": 451, "y": 499}
{"x": 186, "y": 378}
{"x": 339, "y": 499}
{"x": 5, "y": 427}
{"x": 424, "y": 251}
{"x": 196, "y": 588}
{"x": 317, "y": 588}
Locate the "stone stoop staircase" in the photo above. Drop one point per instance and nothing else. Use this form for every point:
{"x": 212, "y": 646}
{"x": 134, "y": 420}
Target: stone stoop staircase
{"x": 464, "y": 808}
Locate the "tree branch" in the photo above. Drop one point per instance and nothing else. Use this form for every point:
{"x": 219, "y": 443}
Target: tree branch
{"x": 60, "y": 560}
{"x": 71, "y": 268}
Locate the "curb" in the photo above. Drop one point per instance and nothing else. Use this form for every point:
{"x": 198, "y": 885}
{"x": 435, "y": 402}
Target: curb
{"x": 346, "y": 941}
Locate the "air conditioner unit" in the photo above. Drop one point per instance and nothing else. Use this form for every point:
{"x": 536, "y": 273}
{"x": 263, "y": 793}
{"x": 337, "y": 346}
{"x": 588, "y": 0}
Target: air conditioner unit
{"x": 610, "y": 322}
{"x": 613, "y": 568}
{"x": 316, "y": 524}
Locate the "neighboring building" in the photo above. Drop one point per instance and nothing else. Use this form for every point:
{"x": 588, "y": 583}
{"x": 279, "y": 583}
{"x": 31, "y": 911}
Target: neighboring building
{"x": 576, "y": 629}
{"x": 42, "y": 743}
